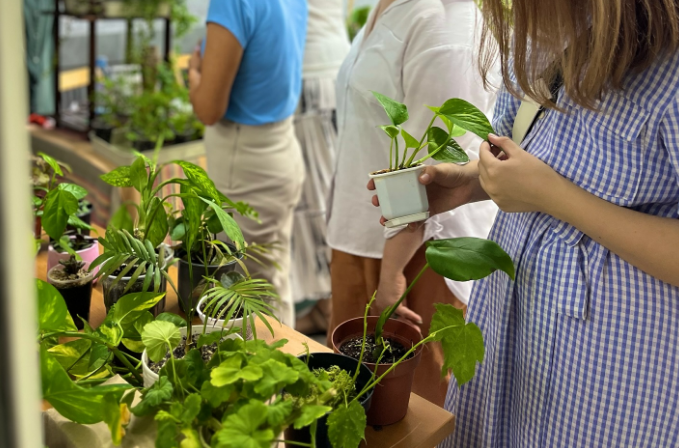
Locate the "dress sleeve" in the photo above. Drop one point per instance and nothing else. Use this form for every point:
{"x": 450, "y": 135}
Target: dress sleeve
{"x": 237, "y": 16}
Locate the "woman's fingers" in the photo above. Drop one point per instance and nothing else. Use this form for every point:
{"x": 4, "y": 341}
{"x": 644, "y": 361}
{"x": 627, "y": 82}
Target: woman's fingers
{"x": 408, "y": 314}
{"x": 371, "y": 184}
{"x": 428, "y": 174}
{"x": 376, "y": 201}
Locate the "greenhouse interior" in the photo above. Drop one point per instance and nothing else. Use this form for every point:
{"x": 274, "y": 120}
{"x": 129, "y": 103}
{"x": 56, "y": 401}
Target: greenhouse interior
{"x": 339, "y": 223}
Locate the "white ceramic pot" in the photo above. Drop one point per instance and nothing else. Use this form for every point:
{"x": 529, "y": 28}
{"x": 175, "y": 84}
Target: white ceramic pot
{"x": 220, "y": 323}
{"x": 402, "y": 198}
{"x": 151, "y": 377}
{"x": 88, "y": 256}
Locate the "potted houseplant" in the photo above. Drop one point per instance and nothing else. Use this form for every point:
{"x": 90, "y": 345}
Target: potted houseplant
{"x": 85, "y": 248}
{"x": 72, "y": 372}
{"x": 246, "y": 394}
{"x": 235, "y": 301}
{"x": 392, "y": 349}
{"x": 148, "y": 123}
{"x": 201, "y": 255}
{"x": 134, "y": 258}
{"x": 74, "y": 282}
{"x": 402, "y": 198}
{"x": 349, "y": 378}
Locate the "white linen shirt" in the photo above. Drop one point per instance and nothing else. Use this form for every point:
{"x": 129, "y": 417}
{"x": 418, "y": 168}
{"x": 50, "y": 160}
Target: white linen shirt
{"x": 327, "y": 42}
{"x": 420, "y": 52}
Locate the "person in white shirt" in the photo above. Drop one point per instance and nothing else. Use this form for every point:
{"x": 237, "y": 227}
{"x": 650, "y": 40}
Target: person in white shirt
{"x": 418, "y": 52}
{"x": 327, "y": 44}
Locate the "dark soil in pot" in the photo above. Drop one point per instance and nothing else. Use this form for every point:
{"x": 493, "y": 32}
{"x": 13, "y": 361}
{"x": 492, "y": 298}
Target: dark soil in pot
{"x": 191, "y": 293}
{"x": 76, "y": 290}
{"x": 352, "y": 348}
{"x": 392, "y": 394}
{"x": 206, "y": 351}
{"x": 325, "y": 361}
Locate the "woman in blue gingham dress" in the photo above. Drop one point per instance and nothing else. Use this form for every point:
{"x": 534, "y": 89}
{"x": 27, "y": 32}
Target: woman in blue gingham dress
{"x": 582, "y": 349}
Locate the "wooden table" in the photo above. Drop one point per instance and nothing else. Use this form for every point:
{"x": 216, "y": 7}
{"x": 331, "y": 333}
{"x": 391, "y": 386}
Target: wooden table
{"x": 424, "y": 426}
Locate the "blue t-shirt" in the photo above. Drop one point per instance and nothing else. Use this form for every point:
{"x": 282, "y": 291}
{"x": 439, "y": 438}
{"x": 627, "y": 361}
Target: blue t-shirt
{"x": 272, "y": 34}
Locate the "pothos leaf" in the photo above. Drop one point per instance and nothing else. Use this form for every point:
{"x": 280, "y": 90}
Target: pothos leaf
{"x": 138, "y": 174}
{"x": 411, "y": 142}
{"x": 464, "y": 259}
{"x": 158, "y": 337}
{"x": 451, "y": 152}
{"x": 467, "y": 116}
{"x": 116, "y": 416}
{"x": 462, "y": 342}
{"x": 138, "y": 301}
{"x": 391, "y": 131}
{"x": 158, "y": 227}
{"x": 346, "y": 426}
{"x": 397, "y": 112}
{"x": 53, "y": 315}
{"x": 76, "y": 403}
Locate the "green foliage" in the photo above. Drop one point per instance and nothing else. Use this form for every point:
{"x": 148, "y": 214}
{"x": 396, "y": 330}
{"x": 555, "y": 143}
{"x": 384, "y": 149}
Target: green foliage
{"x": 458, "y": 115}
{"x": 346, "y": 426}
{"x": 464, "y": 259}
{"x": 235, "y": 295}
{"x": 159, "y": 337}
{"x": 53, "y": 315}
{"x": 357, "y": 20}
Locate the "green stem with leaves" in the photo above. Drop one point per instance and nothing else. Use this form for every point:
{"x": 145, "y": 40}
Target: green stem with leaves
{"x": 365, "y": 333}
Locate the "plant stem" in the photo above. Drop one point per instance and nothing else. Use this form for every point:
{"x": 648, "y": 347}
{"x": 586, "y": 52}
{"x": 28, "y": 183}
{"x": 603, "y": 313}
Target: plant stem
{"x": 405, "y": 154}
{"x": 391, "y": 154}
{"x": 392, "y": 309}
{"x": 365, "y": 333}
{"x": 127, "y": 364}
{"x": 397, "y": 153}
{"x": 426, "y": 131}
{"x": 431, "y": 154}
{"x": 412, "y": 157}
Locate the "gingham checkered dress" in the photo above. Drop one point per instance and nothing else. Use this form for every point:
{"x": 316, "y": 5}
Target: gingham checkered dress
{"x": 583, "y": 349}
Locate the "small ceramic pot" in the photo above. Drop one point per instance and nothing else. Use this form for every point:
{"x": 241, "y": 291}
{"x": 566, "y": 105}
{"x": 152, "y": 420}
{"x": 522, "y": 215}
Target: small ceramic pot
{"x": 76, "y": 293}
{"x": 88, "y": 255}
{"x": 403, "y": 199}
{"x": 220, "y": 323}
{"x": 325, "y": 361}
{"x": 150, "y": 377}
{"x": 392, "y": 394}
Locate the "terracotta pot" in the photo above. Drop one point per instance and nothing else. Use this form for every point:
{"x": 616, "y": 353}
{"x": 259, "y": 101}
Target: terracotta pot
{"x": 392, "y": 394}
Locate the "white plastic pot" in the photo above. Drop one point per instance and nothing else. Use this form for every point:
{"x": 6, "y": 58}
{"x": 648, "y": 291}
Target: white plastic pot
{"x": 150, "y": 377}
{"x": 219, "y": 324}
{"x": 402, "y": 198}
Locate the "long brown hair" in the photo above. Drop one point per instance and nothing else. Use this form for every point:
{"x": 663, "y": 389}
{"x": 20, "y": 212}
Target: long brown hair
{"x": 594, "y": 44}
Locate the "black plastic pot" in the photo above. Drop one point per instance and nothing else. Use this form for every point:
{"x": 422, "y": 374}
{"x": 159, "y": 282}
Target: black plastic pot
{"x": 324, "y": 361}
{"x": 84, "y": 217}
{"x": 191, "y": 293}
{"x": 185, "y": 137}
{"x": 144, "y": 145}
{"x": 77, "y": 295}
{"x": 103, "y": 131}
{"x": 114, "y": 293}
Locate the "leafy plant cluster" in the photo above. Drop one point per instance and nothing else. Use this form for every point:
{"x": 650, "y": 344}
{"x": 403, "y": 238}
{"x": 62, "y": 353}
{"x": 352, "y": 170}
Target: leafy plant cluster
{"x": 458, "y": 116}
{"x": 56, "y": 203}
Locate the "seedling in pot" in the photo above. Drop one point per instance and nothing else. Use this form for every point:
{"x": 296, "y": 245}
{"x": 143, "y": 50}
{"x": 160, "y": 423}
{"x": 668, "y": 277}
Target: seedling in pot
{"x": 402, "y": 199}
{"x": 459, "y": 259}
{"x": 239, "y": 300}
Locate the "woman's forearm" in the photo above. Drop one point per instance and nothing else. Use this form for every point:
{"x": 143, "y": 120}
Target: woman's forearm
{"x": 398, "y": 251}
{"x": 647, "y": 242}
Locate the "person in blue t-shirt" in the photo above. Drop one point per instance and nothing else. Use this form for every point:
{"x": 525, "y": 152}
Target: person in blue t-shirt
{"x": 245, "y": 85}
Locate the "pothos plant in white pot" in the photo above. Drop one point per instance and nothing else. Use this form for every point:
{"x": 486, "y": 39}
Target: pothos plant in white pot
{"x": 402, "y": 198}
